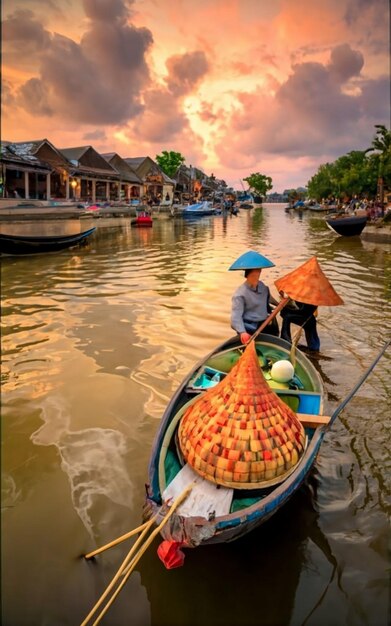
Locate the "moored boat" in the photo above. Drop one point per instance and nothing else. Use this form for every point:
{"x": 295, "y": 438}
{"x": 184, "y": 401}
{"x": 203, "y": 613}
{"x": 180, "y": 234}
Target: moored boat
{"x": 322, "y": 208}
{"x": 218, "y": 514}
{"x": 143, "y": 218}
{"x": 200, "y": 209}
{"x": 347, "y": 225}
{"x": 300, "y": 206}
{"x": 20, "y": 244}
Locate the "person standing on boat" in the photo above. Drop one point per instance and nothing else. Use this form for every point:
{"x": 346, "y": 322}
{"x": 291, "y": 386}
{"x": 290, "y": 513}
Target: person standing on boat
{"x": 251, "y": 301}
{"x": 303, "y": 315}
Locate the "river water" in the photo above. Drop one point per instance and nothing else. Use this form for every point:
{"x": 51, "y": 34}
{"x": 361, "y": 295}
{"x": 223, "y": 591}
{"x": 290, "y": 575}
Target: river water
{"x": 95, "y": 341}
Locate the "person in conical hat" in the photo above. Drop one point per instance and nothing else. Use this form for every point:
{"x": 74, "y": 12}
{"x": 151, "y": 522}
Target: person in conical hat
{"x": 308, "y": 287}
{"x": 303, "y": 315}
{"x": 251, "y": 301}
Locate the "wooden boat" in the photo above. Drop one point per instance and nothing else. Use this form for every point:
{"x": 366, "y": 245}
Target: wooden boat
{"x": 21, "y": 244}
{"x": 143, "y": 218}
{"x": 322, "y": 208}
{"x": 300, "y": 206}
{"x": 347, "y": 225}
{"x": 200, "y": 209}
{"x": 195, "y": 524}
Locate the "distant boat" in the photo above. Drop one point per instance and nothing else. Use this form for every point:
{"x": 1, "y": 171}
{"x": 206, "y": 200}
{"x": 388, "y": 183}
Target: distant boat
{"x": 21, "y": 244}
{"x": 200, "y": 209}
{"x": 300, "y": 206}
{"x": 143, "y": 218}
{"x": 347, "y": 225}
{"x": 249, "y": 201}
{"x": 322, "y": 208}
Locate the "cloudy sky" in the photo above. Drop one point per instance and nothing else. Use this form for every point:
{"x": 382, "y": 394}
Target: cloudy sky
{"x": 237, "y": 86}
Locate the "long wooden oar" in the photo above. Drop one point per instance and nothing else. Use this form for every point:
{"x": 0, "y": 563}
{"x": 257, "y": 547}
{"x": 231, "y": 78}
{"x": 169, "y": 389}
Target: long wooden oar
{"x": 358, "y": 384}
{"x": 272, "y": 315}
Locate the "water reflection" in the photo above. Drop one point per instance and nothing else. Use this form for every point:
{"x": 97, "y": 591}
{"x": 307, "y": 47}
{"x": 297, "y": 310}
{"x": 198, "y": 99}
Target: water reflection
{"x": 95, "y": 341}
{"x": 254, "y": 580}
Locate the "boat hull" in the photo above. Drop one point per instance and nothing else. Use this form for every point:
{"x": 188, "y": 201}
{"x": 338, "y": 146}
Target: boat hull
{"x": 20, "y": 245}
{"x": 142, "y": 222}
{"x": 192, "y": 531}
{"x": 200, "y": 209}
{"x": 347, "y": 226}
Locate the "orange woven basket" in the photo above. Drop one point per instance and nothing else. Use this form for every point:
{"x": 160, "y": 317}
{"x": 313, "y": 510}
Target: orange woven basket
{"x": 239, "y": 433}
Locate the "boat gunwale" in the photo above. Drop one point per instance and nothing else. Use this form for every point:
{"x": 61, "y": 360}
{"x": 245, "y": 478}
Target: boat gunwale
{"x": 260, "y": 510}
{"x": 169, "y": 413}
{"x": 50, "y": 239}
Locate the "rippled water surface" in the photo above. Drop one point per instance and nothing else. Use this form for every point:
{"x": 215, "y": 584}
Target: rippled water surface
{"x": 94, "y": 342}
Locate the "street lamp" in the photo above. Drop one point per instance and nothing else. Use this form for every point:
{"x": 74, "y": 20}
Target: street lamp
{"x": 73, "y": 185}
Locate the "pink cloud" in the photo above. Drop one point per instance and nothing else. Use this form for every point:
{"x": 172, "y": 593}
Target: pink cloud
{"x": 309, "y": 114}
{"x": 98, "y": 80}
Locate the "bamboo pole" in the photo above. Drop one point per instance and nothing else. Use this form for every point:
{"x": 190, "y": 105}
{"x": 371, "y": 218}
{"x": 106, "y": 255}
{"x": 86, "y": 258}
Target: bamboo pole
{"x": 120, "y": 571}
{"x": 116, "y": 541}
{"x": 292, "y": 354}
{"x": 129, "y": 569}
{"x": 164, "y": 521}
{"x": 126, "y": 568}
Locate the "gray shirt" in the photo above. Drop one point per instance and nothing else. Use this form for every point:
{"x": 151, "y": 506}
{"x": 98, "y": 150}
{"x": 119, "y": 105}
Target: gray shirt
{"x": 249, "y": 304}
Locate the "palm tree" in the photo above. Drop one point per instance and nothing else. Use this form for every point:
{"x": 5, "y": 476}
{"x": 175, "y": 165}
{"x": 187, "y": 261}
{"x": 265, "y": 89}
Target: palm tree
{"x": 381, "y": 143}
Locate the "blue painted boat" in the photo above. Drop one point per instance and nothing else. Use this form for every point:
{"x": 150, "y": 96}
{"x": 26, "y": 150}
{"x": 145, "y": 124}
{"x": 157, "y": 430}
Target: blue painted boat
{"x": 248, "y": 508}
{"x": 200, "y": 209}
{"x": 21, "y": 245}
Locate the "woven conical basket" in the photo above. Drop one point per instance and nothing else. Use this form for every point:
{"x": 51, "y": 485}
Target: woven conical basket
{"x": 239, "y": 433}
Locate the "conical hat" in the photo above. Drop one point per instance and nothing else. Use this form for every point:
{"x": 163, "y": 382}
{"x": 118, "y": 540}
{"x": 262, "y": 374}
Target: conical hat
{"x": 309, "y": 284}
{"x": 251, "y": 260}
{"x": 239, "y": 433}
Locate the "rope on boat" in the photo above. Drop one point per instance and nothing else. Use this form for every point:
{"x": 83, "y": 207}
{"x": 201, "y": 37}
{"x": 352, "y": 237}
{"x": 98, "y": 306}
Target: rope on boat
{"x": 357, "y": 386}
{"x": 133, "y": 556}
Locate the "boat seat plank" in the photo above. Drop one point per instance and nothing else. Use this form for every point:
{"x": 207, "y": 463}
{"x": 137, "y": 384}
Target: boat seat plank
{"x": 205, "y": 499}
{"x": 296, "y": 392}
{"x": 313, "y": 421}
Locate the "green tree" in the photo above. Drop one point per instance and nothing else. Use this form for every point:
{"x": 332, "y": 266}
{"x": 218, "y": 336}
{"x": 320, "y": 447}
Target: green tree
{"x": 381, "y": 140}
{"x": 357, "y": 172}
{"x": 170, "y": 161}
{"x": 381, "y": 154}
{"x": 295, "y": 194}
{"x": 259, "y": 183}
{"x": 321, "y": 185}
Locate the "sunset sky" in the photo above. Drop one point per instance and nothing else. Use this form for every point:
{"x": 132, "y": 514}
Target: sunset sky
{"x": 236, "y": 86}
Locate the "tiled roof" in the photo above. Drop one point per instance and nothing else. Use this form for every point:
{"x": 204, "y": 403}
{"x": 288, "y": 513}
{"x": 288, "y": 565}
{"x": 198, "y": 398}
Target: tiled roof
{"x": 125, "y": 170}
{"x": 21, "y": 154}
{"x": 74, "y": 154}
{"x": 135, "y": 161}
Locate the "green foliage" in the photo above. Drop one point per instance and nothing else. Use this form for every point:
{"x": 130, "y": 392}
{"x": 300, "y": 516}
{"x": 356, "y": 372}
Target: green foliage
{"x": 355, "y": 173}
{"x": 381, "y": 153}
{"x": 296, "y": 194}
{"x": 259, "y": 183}
{"x": 170, "y": 161}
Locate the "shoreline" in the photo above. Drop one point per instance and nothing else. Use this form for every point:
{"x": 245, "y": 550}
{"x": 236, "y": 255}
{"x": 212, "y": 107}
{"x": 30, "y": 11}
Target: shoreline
{"x": 15, "y": 214}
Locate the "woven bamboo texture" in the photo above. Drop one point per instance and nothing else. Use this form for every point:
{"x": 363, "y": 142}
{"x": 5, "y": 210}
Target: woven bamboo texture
{"x": 309, "y": 284}
{"x": 239, "y": 433}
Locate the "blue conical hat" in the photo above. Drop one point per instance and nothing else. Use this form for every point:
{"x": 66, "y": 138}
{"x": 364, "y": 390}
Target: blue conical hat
{"x": 251, "y": 260}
